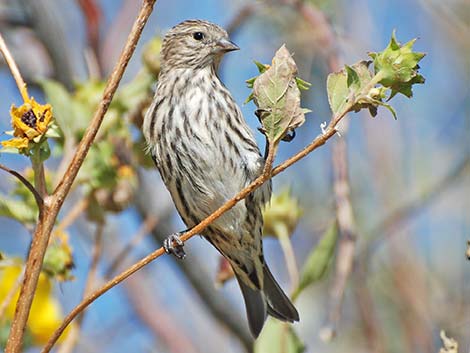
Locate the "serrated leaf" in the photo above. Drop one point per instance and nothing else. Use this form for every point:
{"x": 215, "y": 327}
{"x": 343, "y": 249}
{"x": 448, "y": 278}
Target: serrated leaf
{"x": 261, "y": 67}
{"x": 318, "y": 260}
{"x": 276, "y": 94}
{"x": 278, "y": 337}
{"x": 397, "y": 66}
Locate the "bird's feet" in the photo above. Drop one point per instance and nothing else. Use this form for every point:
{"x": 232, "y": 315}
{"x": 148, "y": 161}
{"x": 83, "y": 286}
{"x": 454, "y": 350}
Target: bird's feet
{"x": 174, "y": 245}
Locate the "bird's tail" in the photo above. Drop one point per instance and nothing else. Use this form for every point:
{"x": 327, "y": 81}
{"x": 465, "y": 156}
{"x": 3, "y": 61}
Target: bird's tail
{"x": 271, "y": 300}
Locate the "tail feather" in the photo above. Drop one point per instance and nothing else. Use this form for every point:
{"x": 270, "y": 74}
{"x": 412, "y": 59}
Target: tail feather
{"x": 256, "y": 309}
{"x": 271, "y": 300}
{"x": 279, "y": 305}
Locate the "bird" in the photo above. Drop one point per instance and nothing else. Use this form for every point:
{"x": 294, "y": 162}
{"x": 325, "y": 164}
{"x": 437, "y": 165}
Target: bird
{"x": 206, "y": 153}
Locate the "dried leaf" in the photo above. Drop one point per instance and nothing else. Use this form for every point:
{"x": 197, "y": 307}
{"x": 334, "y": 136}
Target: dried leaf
{"x": 277, "y": 96}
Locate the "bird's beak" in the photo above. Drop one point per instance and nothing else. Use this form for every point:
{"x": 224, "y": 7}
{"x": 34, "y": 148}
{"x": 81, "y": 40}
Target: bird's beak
{"x": 226, "y": 45}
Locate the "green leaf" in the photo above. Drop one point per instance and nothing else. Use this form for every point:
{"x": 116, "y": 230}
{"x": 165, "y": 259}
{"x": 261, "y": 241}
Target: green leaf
{"x": 58, "y": 262}
{"x": 62, "y": 105}
{"x": 338, "y": 91}
{"x": 131, "y": 95}
{"x": 261, "y": 67}
{"x": 397, "y": 66}
{"x": 346, "y": 85}
{"x": 303, "y": 85}
{"x": 318, "y": 260}
{"x": 277, "y": 96}
{"x": 278, "y": 337}
{"x": 18, "y": 210}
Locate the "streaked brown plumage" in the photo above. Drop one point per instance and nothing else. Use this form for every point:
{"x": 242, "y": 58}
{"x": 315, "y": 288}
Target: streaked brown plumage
{"x": 206, "y": 153}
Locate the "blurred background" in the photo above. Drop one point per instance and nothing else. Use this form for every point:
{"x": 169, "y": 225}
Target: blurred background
{"x": 399, "y": 190}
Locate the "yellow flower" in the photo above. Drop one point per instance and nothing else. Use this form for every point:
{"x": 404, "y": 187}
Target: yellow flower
{"x": 30, "y": 121}
{"x": 45, "y": 315}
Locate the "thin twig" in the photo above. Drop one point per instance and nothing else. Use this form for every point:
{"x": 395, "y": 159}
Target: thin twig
{"x": 53, "y": 204}
{"x": 72, "y": 338}
{"x": 397, "y": 218}
{"x": 26, "y": 183}
{"x": 319, "y": 141}
{"x": 147, "y": 226}
{"x": 14, "y": 69}
{"x": 73, "y": 214}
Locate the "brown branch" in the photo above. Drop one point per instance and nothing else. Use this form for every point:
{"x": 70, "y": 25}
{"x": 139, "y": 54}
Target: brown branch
{"x": 222, "y": 310}
{"x": 73, "y": 214}
{"x": 53, "y": 203}
{"x": 347, "y": 242}
{"x": 26, "y": 183}
{"x": 319, "y": 141}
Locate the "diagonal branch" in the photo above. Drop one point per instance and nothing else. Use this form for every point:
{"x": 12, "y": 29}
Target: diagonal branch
{"x": 26, "y": 183}
{"x": 319, "y": 141}
{"x": 53, "y": 203}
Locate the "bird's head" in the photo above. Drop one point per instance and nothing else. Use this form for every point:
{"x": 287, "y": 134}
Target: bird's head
{"x": 195, "y": 44}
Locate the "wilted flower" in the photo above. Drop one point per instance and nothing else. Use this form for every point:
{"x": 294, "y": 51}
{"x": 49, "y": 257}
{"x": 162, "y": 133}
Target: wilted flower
{"x": 30, "y": 122}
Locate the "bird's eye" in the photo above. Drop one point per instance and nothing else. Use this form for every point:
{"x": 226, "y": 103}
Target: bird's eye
{"x": 198, "y": 35}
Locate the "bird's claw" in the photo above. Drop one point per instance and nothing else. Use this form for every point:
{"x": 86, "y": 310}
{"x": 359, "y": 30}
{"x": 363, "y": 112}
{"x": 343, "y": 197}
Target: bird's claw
{"x": 174, "y": 245}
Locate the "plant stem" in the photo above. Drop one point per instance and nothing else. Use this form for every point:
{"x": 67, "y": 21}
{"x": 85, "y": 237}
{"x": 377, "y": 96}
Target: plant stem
{"x": 53, "y": 204}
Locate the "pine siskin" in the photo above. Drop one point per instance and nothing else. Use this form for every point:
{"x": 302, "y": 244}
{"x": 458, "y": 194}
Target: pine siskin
{"x": 206, "y": 153}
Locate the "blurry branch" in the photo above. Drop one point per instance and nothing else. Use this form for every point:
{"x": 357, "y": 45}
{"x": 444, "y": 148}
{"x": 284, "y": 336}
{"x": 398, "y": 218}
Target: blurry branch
{"x": 72, "y": 339}
{"x": 344, "y": 213}
{"x": 246, "y": 11}
{"x": 46, "y": 21}
{"x": 324, "y": 33}
{"x": 154, "y": 315}
{"x": 319, "y": 141}
{"x": 370, "y": 325}
{"x": 53, "y": 203}
{"x": 446, "y": 15}
{"x": 92, "y": 13}
{"x": 408, "y": 211}
{"x": 147, "y": 226}
{"x": 121, "y": 23}
{"x": 347, "y": 241}
{"x": 291, "y": 262}
{"x": 73, "y": 214}
{"x": 26, "y": 183}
